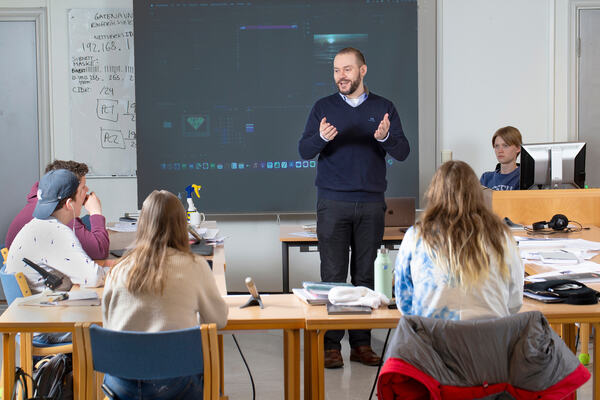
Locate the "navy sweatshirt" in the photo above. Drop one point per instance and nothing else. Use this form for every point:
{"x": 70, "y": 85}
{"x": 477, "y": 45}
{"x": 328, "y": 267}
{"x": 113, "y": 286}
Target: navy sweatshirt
{"x": 352, "y": 166}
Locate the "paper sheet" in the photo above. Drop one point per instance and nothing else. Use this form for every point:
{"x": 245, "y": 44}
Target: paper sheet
{"x": 124, "y": 227}
{"x": 304, "y": 234}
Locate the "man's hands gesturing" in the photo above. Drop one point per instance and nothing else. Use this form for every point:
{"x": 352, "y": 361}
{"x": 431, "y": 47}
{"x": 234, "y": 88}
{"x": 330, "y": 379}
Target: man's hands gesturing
{"x": 383, "y": 128}
{"x": 328, "y": 131}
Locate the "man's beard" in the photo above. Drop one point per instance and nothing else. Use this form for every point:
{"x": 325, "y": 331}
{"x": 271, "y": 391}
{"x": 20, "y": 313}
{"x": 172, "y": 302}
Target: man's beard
{"x": 353, "y": 86}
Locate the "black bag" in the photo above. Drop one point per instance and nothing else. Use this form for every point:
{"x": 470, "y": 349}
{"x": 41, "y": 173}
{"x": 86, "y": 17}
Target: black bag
{"x": 53, "y": 378}
{"x": 564, "y": 291}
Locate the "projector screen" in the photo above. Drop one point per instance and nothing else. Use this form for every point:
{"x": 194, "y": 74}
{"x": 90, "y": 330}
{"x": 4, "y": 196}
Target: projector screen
{"x": 224, "y": 89}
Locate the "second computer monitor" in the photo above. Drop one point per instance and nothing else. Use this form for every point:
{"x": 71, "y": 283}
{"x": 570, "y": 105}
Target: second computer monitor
{"x": 553, "y": 165}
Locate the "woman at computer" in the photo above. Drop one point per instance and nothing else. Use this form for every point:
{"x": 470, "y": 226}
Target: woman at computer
{"x": 459, "y": 261}
{"x": 161, "y": 285}
{"x": 507, "y": 146}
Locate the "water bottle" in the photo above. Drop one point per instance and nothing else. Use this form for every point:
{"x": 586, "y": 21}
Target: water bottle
{"x": 384, "y": 274}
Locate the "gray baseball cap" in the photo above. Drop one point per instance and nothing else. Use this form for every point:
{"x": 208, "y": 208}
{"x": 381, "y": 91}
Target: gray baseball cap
{"x": 54, "y": 186}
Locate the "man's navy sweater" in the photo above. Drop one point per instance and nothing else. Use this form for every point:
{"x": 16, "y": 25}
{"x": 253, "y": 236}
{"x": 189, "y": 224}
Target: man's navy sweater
{"x": 352, "y": 166}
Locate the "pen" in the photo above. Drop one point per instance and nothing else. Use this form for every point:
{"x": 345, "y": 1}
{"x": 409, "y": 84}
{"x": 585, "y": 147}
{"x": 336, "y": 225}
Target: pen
{"x": 62, "y": 296}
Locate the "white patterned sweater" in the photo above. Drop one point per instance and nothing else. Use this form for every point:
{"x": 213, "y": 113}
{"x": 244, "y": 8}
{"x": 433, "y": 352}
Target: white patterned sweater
{"x": 52, "y": 245}
{"x": 423, "y": 289}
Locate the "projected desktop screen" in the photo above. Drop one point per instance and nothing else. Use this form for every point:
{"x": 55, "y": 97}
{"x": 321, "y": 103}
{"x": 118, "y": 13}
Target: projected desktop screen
{"x": 224, "y": 89}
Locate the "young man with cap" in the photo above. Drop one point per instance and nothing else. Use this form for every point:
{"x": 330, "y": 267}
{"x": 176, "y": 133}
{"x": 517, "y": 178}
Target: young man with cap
{"x": 48, "y": 241}
{"x": 94, "y": 240}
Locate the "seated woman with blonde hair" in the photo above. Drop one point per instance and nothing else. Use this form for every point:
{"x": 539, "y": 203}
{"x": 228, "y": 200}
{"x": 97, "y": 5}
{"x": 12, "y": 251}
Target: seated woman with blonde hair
{"x": 459, "y": 261}
{"x": 160, "y": 285}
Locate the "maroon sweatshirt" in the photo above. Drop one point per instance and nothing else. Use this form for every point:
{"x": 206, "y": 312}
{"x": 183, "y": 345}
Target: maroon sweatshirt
{"x": 95, "y": 242}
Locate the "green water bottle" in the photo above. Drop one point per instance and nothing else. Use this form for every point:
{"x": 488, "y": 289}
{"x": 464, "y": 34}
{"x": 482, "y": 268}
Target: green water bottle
{"x": 384, "y": 274}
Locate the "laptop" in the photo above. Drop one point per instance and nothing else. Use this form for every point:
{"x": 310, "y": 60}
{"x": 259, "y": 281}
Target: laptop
{"x": 400, "y": 212}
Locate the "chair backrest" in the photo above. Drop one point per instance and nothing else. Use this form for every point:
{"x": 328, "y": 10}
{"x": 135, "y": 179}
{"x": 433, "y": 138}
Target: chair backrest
{"x": 4, "y": 252}
{"x": 144, "y": 355}
{"x": 520, "y": 355}
{"x": 14, "y": 286}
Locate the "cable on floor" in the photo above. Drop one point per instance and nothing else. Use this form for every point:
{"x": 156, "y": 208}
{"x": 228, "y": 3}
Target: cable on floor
{"x": 247, "y": 367}
{"x": 380, "y": 362}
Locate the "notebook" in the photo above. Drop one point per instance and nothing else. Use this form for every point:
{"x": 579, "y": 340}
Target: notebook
{"x": 339, "y": 309}
{"x": 400, "y": 211}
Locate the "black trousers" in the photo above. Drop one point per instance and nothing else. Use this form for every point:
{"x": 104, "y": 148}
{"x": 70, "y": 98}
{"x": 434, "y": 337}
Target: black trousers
{"x": 349, "y": 225}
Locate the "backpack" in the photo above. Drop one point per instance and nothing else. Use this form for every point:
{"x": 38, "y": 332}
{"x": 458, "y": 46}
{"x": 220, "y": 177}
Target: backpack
{"x": 563, "y": 291}
{"x": 53, "y": 378}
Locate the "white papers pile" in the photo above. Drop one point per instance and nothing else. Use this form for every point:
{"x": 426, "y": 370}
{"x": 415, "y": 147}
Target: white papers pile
{"x": 304, "y": 234}
{"x": 124, "y": 227}
{"x": 565, "y": 257}
{"x": 212, "y": 237}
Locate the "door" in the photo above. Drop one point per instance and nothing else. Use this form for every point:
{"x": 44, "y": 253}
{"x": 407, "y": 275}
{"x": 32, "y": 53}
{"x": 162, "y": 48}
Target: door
{"x": 19, "y": 148}
{"x": 588, "y": 114}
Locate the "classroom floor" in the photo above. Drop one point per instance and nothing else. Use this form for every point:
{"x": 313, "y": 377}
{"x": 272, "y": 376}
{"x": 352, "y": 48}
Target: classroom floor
{"x": 264, "y": 353}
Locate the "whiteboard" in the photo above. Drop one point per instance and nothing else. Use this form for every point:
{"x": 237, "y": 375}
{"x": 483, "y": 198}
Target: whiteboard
{"x": 102, "y": 90}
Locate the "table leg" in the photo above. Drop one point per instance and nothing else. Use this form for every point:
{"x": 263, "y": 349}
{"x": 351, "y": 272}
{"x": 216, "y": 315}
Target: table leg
{"x": 291, "y": 363}
{"x": 321, "y": 365}
{"x": 285, "y": 266}
{"x": 315, "y": 365}
{"x": 221, "y": 369}
{"x": 8, "y": 363}
{"x": 596, "y": 361}
{"x": 308, "y": 359}
{"x": 569, "y": 334}
{"x": 584, "y": 335}
{"x": 25, "y": 356}
{"x": 81, "y": 379}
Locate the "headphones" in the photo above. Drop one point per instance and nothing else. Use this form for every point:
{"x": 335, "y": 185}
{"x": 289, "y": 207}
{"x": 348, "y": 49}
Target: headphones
{"x": 558, "y": 222}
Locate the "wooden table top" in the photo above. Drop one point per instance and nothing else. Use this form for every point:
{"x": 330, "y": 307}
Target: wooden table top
{"x": 18, "y": 318}
{"x": 281, "y": 311}
{"x": 592, "y": 234}
{"x": 286, "y": 231}
{"x": 317, "y": 318}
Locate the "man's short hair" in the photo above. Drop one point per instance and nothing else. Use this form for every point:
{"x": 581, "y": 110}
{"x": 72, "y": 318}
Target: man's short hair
{"x": 79, "y": 169}
{"x": 510, "y": 135}
{"x": 351, "y": 50}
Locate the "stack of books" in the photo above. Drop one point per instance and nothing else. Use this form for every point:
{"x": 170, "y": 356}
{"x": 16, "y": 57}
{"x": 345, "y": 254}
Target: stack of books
{"x": 316, "y": 293}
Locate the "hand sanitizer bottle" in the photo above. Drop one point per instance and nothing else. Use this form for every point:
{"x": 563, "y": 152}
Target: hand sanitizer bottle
{"x": 384, "y": 274}
{"x": 193, "y": 216}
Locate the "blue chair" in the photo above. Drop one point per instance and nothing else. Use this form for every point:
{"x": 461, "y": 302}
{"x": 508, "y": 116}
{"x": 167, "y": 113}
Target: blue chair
{"x": 15, "y": 286}
{"x": 155, "y": 355}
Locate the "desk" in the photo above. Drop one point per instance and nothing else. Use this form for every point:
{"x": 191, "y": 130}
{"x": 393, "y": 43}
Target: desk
{"x": 30, "y": 319}
{"x": 528, "y": 206}
{"x": 561, "y": 316}
{"x": 391, "y": 236}
{"x": 282, "y": 311}
{"x": 318, "y": 322}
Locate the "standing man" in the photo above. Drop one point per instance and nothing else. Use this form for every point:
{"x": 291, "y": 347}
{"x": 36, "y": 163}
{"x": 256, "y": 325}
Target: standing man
{"x": 351, "y": 132}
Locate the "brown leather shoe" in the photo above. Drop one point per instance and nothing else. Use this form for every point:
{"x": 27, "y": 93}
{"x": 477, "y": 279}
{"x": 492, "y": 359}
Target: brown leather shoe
{"x": 365, "y": 355}
{"x": 333, "y": 359}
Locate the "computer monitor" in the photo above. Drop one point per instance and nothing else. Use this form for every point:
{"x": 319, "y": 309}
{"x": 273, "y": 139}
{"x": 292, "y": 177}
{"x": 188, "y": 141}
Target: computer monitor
{"x": 552, "y": 165}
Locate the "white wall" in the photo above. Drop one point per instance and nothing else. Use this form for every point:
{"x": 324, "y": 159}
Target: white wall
{"x": 498, "y": 68}
{"x": 500, "y": 62}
